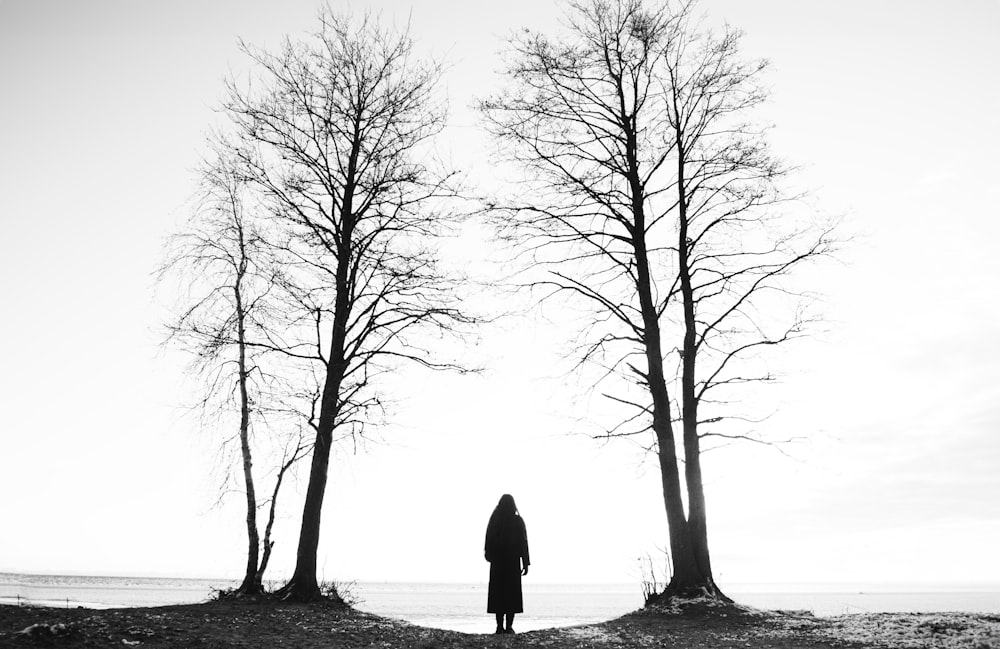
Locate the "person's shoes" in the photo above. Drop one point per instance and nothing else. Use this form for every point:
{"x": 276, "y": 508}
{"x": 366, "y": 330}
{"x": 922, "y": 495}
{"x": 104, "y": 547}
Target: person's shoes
{"x": 500, "y": 630}
{"x": 509, "y": 630}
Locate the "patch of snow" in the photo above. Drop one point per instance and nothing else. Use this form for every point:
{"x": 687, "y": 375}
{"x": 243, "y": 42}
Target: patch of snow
{"x": 590, "y": 633}
{"x": 917, "y": 630}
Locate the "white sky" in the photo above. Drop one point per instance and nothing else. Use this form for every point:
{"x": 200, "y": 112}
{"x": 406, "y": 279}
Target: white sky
{"x": 892, "y": 108}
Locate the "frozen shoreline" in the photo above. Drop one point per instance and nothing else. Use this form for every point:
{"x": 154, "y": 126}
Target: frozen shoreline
{"x": 257, "y": 624}
{"x": 460, "y": 607}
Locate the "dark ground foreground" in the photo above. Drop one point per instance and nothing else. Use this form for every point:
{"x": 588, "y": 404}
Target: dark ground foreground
{"x": 695, "y": 625}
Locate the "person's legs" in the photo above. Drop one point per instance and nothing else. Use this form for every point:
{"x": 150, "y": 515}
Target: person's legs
{"x": 510, "y": 623}
{"x": 499, "y": 623}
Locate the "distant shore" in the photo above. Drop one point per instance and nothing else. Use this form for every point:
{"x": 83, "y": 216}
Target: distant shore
{"x": 251, "y": 625}
{"x": 461, "y": 606}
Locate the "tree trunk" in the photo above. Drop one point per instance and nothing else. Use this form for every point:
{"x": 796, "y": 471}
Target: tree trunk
{"x": 680, "y": 545}
{"x": 303, "y": 586}
{"x": 251, "y": 585}
{"x": 685, "y": 566}
{"x": 681, "y": 548}
{"x": 702, "y": 581}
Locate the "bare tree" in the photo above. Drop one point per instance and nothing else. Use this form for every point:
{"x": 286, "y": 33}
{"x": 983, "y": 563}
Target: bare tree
{"x": 227, "y": 268}
{"x": 334, "y": 134}
{"x": 655, "y": 201}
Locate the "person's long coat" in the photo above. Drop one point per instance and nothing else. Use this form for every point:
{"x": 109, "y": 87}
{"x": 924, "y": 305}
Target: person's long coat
{"x": 506, "y": 548}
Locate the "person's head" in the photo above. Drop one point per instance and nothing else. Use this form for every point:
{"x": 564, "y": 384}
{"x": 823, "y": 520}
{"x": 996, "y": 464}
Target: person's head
{"x": 506, "y": 505}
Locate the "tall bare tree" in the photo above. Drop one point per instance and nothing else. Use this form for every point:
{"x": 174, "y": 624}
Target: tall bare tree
{"x": 334, "y": 133}
{"x": 655, "y": 202}
{"x": 229, "y": 278}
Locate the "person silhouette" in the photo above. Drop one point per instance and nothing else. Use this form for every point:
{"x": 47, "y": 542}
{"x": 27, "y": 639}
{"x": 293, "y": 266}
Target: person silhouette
{"x": 506, "y": 549}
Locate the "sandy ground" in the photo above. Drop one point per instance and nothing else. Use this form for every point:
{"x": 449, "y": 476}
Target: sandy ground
{"x": 694, "y": 625}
